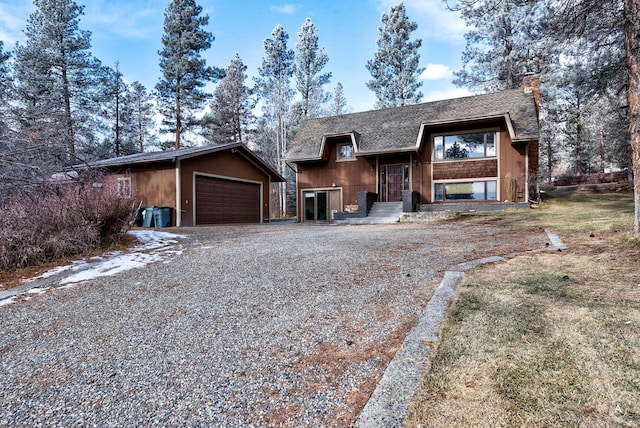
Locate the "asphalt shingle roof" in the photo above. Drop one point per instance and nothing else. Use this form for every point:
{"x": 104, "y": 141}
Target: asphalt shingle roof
{"x": 186, "y": 153}
{"x": 397, "y": 129}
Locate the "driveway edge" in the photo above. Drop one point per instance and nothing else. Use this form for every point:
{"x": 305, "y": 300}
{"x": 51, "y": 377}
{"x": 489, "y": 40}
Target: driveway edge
{"x": 390, "y": 401}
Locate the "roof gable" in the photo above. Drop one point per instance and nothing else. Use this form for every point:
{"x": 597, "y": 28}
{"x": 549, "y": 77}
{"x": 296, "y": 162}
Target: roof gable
{"x": 400, "y": 128}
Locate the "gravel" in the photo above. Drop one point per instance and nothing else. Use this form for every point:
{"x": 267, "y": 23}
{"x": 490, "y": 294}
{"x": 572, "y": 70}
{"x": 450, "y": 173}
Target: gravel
{"x": 264, "y": 325}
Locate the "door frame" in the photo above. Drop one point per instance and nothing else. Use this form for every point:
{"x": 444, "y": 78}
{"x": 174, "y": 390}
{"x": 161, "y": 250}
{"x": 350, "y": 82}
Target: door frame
{"x": 330, "y": 208}
{"x": 383, "y": 179}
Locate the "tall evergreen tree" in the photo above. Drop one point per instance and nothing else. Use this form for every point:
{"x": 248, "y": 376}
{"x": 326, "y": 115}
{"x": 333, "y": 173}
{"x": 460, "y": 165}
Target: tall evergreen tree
{"x": 612, "y": 27}
{"x": 57, "y": 88}
{"x": 140, "y": 104}
{"x": 503, "y": 43}
{"x": 395, "y": 66}
{"x": 274, "y": 86}
{"x": 232, "y": 105}
{"x": 338, "y": 101}
{"x": 184, "y": 71}
{"x": 311, "y": 59}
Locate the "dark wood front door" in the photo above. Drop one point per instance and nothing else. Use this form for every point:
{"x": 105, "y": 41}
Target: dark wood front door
{"x": 393, "y": 182}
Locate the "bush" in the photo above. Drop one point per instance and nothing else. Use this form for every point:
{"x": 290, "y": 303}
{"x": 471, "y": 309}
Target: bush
{"x": 40, "y": 226}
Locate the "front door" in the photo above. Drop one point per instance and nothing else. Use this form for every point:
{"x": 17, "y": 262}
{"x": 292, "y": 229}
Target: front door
{"x": 394, "y": 179}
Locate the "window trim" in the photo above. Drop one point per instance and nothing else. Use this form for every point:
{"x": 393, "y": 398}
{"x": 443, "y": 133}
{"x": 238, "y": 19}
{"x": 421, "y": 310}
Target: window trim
{"x": 484, "y": 180}
{"x": 496, "y": 143}
{"x": 349, "y": 159}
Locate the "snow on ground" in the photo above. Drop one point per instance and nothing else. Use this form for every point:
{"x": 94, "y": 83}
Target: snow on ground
{"x": 155, "y": 246}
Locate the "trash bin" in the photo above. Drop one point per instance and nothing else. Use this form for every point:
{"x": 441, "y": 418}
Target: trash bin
{"x": 162, "y": 216}
{"x": 147, "y": 216}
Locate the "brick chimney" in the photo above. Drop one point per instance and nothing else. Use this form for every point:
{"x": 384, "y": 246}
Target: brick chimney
{"x": 531, "y": 85}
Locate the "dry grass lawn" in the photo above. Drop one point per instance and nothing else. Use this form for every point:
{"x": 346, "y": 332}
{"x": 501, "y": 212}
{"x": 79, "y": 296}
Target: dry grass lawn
{"x": 546, "y": 339}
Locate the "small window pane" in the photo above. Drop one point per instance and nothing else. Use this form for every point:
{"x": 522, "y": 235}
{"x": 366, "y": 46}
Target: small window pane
{"x": 491, "y": 144}
{"x": 439, "y": 192}
{"x": 438, "y": 143}
{"x": 345, "y": 151}
{"x": 455, "y": 148}
{"x": 492, "y": 193}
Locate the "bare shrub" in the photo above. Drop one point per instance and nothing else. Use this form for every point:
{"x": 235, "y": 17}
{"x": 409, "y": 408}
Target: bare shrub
{"x": 53, "y": 222}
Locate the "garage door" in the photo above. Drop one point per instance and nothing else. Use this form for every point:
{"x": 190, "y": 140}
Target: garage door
{"x": 221, "y": 201}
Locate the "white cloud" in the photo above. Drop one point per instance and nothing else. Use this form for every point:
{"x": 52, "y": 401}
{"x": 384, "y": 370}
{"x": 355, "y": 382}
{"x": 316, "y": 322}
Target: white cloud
{"x": 285, "y": 9}
{"x": 125, "y": 19}
{"x": 446, "y": 93}
{"x": 435, "y": 21}
{"x": 13, "y": 18}
{"x": 436, "y": 72}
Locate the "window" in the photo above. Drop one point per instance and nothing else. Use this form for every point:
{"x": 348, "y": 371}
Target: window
{"x": 465, "y": 146}
{"x": 345, "y": 151}
{"x": 124, "y": 187}
{"x": 466, "y": 191}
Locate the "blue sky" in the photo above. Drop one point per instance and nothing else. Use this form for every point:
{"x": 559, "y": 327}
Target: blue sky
{"x": 129, "y": 31}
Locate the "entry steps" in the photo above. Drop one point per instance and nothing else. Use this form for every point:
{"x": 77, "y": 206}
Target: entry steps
{"x": 381, "y": 213}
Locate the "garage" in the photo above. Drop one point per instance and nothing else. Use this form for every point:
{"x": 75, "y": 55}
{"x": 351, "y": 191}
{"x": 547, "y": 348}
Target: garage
{"x": 223, "y": 201}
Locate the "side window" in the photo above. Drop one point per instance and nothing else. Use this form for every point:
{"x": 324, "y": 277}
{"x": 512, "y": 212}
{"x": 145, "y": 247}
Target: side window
{"x": 124, "y": 187}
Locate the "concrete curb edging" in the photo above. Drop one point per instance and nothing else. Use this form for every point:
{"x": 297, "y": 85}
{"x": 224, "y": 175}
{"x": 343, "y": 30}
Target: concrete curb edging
{"x": 390, "y": 401}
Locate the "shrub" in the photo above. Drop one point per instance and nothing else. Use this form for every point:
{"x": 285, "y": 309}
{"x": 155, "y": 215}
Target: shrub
{"x": 54, "y": 222}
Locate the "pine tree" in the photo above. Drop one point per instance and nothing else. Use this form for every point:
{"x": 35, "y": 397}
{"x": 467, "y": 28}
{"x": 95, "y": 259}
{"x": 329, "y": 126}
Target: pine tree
{"x": 503, "y": 45}
{"x": 395, "y": 66}
{"x": 612, "y": 28}
{"x": 139, "y": 102}
{"x": 184, "y": 71}
{"x": 311, "y": 59}
{"x": 338, "y": 101}
{"x": 57, "y": 88}
{"x": 231, "y": 107}
{"x": 274, "y": 86}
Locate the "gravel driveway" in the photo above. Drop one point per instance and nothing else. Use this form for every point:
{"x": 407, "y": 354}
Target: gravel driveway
{"x": 265, "y": 325}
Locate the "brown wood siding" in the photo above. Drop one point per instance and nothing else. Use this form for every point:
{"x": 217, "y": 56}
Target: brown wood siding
{"x": 352, "y": 176}
{"x": 465, "y": 169}
{"x": 225, "y": 164}
{"x": 513, "y": 168}
{"x": 220, "y": 201}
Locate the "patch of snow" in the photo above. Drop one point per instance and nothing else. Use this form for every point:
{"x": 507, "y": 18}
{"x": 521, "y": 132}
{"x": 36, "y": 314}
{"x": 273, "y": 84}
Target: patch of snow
{"x": 155, "y": 246}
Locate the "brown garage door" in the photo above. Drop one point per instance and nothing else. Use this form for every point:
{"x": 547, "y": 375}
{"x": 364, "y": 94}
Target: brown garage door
{"x": 226, "y": 201}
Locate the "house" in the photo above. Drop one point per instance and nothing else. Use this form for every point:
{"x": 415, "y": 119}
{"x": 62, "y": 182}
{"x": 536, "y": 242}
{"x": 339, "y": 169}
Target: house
{"x": 202, "y": 185}
{"x": 474, "y": 150}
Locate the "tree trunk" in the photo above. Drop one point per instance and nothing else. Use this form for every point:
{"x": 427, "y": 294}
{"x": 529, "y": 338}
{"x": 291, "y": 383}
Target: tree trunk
{"x": 178, "y": 118}
{"x": 632, "y": 46}
{"x": 71, "y": 149}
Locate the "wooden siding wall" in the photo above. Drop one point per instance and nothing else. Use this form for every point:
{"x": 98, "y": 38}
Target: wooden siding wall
{"x": 513, "y": 167}
{"x": 154, "y": 186}
{"x": 465, "y": 169}
{"x": 352, "y": 176}
{"x": 226, "y": 164}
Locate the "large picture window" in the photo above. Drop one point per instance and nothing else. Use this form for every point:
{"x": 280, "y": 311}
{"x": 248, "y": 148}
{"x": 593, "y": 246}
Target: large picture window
{"x": 466, "y": 191}
{"x": 465, "y": 146}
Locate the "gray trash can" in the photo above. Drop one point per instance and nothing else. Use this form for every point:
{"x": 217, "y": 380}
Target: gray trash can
{"x": 162, "y": 216}
{"x": 147, "y": 216}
